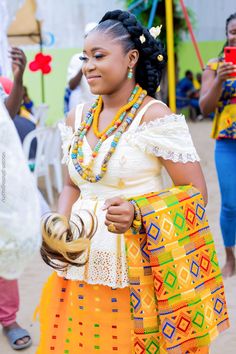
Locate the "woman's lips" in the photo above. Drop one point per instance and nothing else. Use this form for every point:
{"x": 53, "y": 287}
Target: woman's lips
{"x": 92, "y": 78}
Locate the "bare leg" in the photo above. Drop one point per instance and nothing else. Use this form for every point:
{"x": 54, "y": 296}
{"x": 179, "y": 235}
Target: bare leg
{"x": 229, "y": 268}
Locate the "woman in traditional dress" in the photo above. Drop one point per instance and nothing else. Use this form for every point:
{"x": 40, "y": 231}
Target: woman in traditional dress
{"x": 115, "y": 149}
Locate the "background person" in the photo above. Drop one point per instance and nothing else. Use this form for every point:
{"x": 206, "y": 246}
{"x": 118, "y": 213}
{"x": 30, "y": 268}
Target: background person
{"x": 218, "y": 94}
{"x": 78, "y": 90}
{"x": 188, "y": 96}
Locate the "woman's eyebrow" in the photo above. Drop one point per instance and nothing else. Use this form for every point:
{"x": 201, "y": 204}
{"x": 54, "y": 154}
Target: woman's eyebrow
{"x": 94, "y": 49}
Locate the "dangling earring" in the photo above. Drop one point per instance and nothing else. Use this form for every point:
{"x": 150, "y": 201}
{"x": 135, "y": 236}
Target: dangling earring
{"x": 130, "y": 73}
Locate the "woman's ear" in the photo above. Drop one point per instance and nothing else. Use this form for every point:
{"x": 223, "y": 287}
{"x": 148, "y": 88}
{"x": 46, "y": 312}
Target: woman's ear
{"x": 133, "y": 56}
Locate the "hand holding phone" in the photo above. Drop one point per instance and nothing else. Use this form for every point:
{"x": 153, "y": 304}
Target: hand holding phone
{"x": 230, "y": 57}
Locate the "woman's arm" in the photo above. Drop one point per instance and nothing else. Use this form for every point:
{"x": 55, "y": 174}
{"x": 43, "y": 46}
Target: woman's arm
{"x": 212, "y": 86}
{"x": 70, "y": 192}
{"x": 68, "y": 197}
{"x": 187, "y": 173}
{"x": 75, "y": 81}
{"x": 180, "y": 173}
{"x": 13, "y": 101}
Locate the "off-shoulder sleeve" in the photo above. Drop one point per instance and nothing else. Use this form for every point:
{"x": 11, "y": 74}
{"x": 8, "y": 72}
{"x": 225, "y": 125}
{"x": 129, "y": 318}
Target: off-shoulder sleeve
{"x": 66, "y": 137}
{"x": 166, "y": 137}
{"x": 213, "y": 64}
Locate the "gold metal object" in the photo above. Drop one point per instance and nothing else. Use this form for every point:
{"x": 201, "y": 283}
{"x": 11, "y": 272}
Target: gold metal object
{"x": 111, "y": 227}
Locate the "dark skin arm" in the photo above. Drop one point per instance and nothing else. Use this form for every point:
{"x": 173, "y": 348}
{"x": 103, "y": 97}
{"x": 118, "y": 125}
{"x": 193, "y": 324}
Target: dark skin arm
{"x": 75, "y": 81}
{"x": 68, "y": 196}
{"x": 211, "y": 88}
{"x": 13, "y": 101}
{"x": 180, "y": 173}
{"x": 70, "y": 192}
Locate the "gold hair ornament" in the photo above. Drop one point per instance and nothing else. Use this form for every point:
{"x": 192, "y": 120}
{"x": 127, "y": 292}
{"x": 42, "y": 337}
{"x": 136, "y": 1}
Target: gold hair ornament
{"x": 160, "y": 57}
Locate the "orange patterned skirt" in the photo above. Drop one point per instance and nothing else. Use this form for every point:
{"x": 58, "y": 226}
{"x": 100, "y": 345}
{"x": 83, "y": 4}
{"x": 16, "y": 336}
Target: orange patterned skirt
{"x": 80, "y": 318}
{"x": 76, "y": 317}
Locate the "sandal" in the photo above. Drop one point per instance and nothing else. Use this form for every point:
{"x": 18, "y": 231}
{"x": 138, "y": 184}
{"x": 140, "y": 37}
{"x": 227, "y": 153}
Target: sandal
{"x": 14, "y": 335}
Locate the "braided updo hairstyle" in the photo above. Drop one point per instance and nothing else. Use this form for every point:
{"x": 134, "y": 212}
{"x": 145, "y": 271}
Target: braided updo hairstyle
{"x": 127, "y": 29}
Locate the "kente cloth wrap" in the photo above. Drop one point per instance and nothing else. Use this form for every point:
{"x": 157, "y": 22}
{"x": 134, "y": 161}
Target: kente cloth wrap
{"x": 224, "y": 124}
{"x": 176, "y": 287}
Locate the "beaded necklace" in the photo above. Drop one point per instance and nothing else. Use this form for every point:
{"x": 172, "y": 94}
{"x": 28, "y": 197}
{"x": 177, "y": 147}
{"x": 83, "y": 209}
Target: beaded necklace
{"x": 117, "y": 120}
{"x": 122, "y": 121}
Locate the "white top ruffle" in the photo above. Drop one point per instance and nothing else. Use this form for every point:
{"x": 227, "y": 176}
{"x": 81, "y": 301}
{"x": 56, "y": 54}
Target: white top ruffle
{"x": 134, "y": 169}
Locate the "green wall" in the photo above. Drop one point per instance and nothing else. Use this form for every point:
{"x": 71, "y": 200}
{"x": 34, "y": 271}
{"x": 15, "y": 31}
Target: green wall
{"x": 188, "y": 58}
{"x": 56, "y": 80}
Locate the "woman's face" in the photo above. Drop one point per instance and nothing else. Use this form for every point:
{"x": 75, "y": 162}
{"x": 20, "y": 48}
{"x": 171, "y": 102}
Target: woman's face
{"x": 231, "y": 33}
{"x": 105, "y": 65}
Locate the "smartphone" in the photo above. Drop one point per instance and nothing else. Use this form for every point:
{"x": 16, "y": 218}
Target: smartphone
{"x": 230, "y": 56}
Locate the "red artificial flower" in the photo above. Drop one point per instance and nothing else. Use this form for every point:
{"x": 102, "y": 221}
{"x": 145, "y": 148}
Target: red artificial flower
{"x": 41, "y": 62}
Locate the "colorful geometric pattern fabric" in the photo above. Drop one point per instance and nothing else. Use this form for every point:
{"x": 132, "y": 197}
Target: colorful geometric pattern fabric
{"x": 224, "y": 124}
{"x": 176, "y": 287}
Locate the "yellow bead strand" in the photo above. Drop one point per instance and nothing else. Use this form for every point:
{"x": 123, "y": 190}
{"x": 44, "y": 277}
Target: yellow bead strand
{"x": 117, "y": 116}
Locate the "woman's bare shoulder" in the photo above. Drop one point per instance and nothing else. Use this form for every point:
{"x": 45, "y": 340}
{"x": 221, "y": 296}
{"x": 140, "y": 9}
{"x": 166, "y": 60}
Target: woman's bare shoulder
{"x": 70, "y": 118}
{"x": 155, "y": 111}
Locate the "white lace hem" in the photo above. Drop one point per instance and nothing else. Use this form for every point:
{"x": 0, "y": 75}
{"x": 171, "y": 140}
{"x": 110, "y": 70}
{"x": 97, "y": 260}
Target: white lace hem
{"x": 173, "y": 156}
{"x": 103, "y": 268}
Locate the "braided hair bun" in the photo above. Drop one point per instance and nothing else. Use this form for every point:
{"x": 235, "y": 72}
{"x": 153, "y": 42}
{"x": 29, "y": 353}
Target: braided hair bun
{"x": 152, "y": 56}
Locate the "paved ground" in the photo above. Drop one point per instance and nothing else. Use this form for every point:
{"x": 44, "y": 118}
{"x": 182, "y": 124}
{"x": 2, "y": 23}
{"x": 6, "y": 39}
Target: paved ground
{"x": 32, "y": 280}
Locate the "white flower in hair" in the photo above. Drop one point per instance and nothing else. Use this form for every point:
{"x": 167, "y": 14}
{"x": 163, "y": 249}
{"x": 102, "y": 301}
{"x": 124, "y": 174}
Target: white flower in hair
{"x": 155, "y": 31}
{"x": 142, "y": 39}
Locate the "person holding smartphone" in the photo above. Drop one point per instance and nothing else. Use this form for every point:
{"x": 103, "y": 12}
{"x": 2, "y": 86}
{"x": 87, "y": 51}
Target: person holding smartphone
{"x": 218, "y": 94}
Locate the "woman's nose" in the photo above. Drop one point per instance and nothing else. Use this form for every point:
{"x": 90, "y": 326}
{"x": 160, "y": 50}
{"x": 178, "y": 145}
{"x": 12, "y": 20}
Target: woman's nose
{"x": 89, "y": 65}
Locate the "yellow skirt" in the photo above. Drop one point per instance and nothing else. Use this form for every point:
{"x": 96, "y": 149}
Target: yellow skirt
{"x": 76, "y": 317}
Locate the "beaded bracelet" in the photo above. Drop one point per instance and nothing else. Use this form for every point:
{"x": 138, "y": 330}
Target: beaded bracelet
{"x": 137, "y": 222}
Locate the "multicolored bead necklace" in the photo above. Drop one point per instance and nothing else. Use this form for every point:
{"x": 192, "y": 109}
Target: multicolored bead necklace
{"x": 122, "y": 120}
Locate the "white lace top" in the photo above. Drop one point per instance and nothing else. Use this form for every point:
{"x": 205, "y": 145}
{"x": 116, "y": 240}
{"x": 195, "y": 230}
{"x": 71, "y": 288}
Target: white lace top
{"x": 134, "y": 169}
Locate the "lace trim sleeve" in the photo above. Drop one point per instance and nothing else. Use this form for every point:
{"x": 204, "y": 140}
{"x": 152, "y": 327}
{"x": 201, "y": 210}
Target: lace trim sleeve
{"x": 166, "y": 137}
{"x": 66, "y": 137}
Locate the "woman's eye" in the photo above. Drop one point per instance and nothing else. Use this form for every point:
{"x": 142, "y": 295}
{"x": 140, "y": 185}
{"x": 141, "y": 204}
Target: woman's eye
{"x": 82, "y": 58}
{"x": 98, "y": 56}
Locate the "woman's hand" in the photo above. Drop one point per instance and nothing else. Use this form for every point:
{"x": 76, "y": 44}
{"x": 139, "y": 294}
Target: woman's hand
{"x": 119, "y": 216}
{"x": 18, "y": 64}
{"x": 224, "y": 71}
